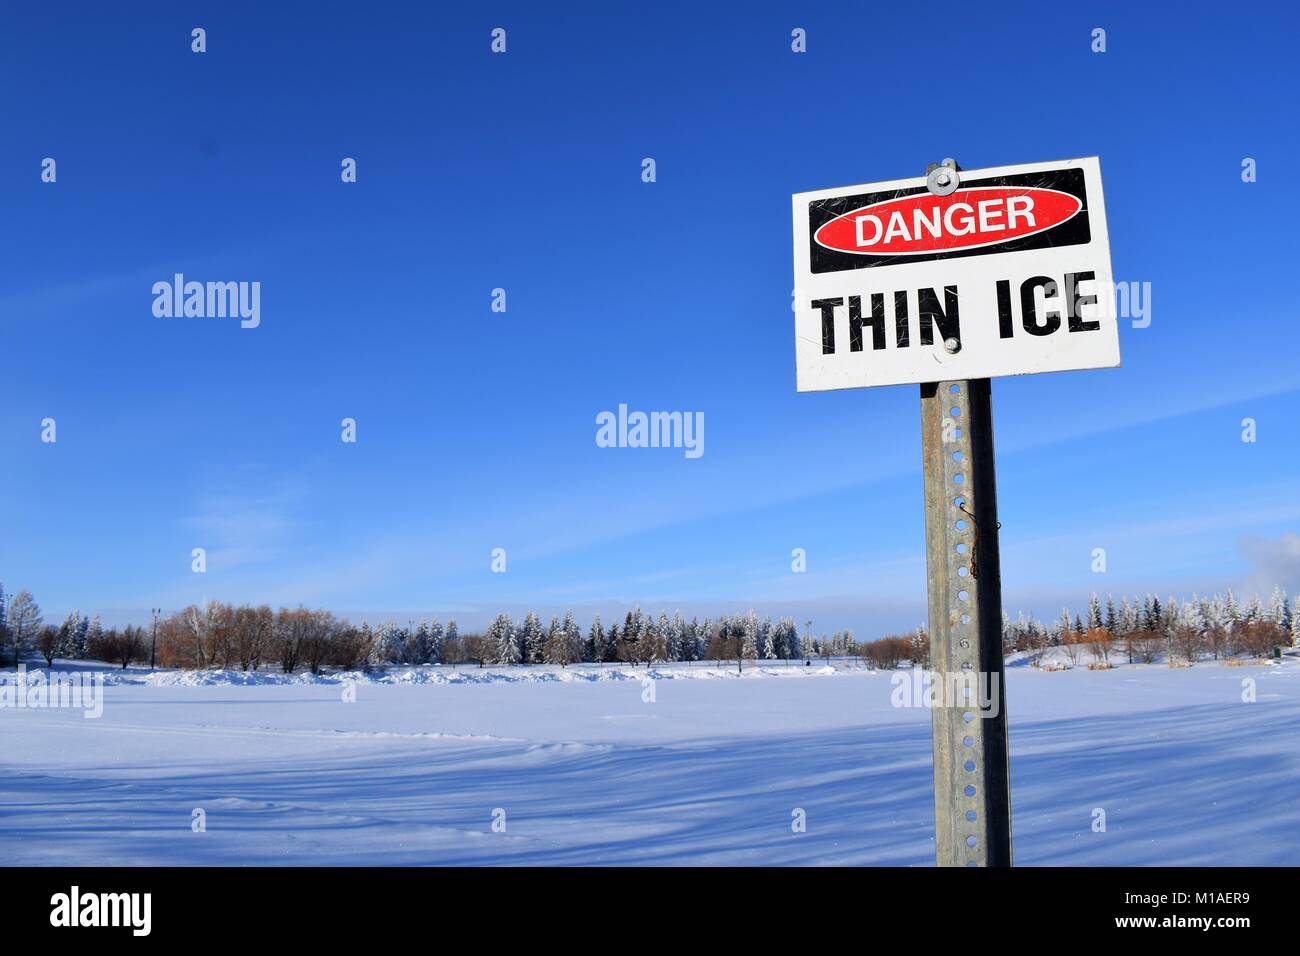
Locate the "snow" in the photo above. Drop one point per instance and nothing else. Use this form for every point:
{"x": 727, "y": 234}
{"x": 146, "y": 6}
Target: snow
{"x": 593, "y": 765}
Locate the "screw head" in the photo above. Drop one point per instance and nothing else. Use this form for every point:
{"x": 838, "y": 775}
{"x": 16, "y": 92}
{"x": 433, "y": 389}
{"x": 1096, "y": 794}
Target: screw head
{"x": 952, "y": 345}
{"x": 943, "y": 179}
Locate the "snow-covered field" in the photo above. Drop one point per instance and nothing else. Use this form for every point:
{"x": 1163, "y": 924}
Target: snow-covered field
{"x": 588, "y": 771}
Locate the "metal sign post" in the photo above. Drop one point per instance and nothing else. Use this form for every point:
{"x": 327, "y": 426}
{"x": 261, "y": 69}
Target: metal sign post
{"x": 972, "y": 790}
{"x": 948, "y": 280}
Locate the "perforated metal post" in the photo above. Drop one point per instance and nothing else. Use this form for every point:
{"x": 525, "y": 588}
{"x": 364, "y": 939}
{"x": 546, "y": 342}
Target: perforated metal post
{"x": 972, "y": 793}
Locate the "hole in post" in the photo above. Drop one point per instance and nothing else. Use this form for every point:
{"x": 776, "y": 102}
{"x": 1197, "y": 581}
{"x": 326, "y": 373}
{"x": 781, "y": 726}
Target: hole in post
{"x": 970, "y": 766}
{"x": 970, "y": 791}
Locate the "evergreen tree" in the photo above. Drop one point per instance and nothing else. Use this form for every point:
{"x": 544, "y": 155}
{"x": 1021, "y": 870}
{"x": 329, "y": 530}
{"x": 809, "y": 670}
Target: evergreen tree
{"x": 596, "y": 641}
{"x": 1112, "y": 619}
{"x": 419, "y": 651}
{"x": 572, "y": 637}
{"x": 534, "y": 640}
{"x": 553, "y": 635}
{"x": 1094, "y": 611}
{"x": 749, "y": 637}
{"x": 674, "y": 632}
{"x": 94, "y": 639}
{"x": 702, "y": 634}
{"x": 436, "y": 642}
{"x": 502, "y": 642}
{"x": 1279, "y": 612}
{"x": 1128, "y": 618}
{"x": 66, "y": 642}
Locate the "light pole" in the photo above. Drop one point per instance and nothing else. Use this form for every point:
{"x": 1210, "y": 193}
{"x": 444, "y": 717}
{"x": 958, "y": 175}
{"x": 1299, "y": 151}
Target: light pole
{"x": 153, "y": 646}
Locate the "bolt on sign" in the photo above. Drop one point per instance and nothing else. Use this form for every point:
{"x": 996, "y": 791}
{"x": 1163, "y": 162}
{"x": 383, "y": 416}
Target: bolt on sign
{"x": 981, "y": 273}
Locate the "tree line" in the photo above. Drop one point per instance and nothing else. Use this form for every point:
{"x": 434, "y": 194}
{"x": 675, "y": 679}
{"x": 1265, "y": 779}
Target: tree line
{"x": 1145, "y": 628}
{"x": 246, "y": 637}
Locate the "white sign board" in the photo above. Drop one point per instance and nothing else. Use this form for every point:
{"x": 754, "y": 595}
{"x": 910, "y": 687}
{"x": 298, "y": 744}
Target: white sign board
{"x": 1007, "y": 275}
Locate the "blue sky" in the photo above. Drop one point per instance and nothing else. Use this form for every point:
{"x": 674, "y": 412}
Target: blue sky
{"x": 522, "y": 171}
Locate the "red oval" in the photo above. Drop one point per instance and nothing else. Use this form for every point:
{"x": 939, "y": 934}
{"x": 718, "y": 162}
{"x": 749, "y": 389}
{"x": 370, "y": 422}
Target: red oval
{"x": 925, "y": 223}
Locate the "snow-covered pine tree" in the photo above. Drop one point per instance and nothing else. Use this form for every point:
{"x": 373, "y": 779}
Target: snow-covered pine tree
{"x": 553, "y": 633}
{"x": 419, "y": 650}
{"x": 790, "y": 635}
{"x": 1279, "y": 612}
{"x": 676, "y": 638}
{"x": 768, "y": 633}
{"x": 596, "y": 641}
{"x": 67, "y": 634}
{"x": 1128, "y": 618}
{"x": 1254, "y": 610}
{"x": 662, "y": 626}
{"x": 534, "y": 640}
{"x": 1232, "y": 609}
{"x": 502, "y": 641}
{"x": 703, "y": 632}
{"x": 1094, "y": 611}
{"x": 393, "y": 640}
{"x": 79, "y": 637}
{"x": 919, "y": 644}
{"x": 647, "y": 642}
{"x": 1112, "y": 619}
{"x": 749, "y": 637}
{"x": 436, "y": 637}
{"x": 1190, "y": 614}
{"x": 572, "y": 637}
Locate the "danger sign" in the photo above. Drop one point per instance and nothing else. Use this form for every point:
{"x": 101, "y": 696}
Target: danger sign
{"x": 1007, "y": 274}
